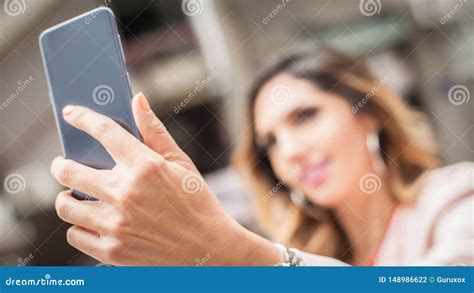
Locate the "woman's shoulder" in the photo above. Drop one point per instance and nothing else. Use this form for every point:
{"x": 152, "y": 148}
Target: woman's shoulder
{"x": 460, "y": 174}
{"x": 442, "y": 190}
{"x": 445, "y": 207}
{"x": 445, "y": 185}
{"x": 440, "y": 218}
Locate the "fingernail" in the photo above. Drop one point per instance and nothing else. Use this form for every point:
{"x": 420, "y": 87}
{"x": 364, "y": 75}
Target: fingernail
{"x": 143, "y": 102}
{"x": 68, "y": 110}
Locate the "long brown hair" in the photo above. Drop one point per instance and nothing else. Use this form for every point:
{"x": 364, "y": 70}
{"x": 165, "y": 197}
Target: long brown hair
{"x": 406, "y": 146}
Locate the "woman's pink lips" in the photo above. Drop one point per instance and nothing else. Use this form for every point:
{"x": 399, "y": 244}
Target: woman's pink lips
{"x": 314, "y": 174}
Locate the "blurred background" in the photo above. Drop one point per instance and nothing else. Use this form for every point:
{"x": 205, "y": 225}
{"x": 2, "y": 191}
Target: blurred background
{"x": 195, "y": 61}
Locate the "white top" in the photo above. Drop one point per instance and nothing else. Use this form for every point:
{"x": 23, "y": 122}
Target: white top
{"x": 437, "y": 229}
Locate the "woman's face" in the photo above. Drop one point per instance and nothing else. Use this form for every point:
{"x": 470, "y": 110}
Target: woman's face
{"x": 315, "y": 143}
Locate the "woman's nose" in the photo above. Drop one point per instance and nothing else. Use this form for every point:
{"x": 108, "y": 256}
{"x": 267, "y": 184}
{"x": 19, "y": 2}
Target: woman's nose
{"x": 292, "y": 149}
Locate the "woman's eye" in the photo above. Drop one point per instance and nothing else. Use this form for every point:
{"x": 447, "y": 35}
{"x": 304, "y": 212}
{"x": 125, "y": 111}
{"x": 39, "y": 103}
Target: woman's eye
{"x": 306, "y": 114}
{"x": 267, "y": 146}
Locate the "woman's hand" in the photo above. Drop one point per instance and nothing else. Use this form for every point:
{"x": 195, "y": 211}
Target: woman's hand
{"x": 153, "y": 207}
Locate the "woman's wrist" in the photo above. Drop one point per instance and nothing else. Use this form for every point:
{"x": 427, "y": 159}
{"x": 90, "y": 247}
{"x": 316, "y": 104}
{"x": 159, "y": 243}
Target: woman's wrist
{"x": 245, "y": 248}
{"x": 263, "y": 252}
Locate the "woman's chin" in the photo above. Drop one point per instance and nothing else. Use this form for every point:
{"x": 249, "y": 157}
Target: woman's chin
{"x": 325, "y": 198}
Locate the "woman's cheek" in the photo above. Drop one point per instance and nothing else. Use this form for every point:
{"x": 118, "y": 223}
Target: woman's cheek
{"x": 339, "y": 140}
{"x": 350, "y": 155}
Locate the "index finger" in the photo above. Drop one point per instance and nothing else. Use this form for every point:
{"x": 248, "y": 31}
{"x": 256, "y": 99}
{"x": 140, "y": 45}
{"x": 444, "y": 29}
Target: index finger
{"x": 116, "y": 140}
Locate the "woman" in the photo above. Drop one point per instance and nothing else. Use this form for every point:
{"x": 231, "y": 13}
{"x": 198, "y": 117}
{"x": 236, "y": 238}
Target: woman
{"x": 342, "y": 172}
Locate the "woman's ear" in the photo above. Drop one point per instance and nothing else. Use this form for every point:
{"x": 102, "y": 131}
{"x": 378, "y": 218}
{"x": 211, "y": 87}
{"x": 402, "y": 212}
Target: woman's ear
{"x": 371, "y": 128}
{"x": 368, "y": 123}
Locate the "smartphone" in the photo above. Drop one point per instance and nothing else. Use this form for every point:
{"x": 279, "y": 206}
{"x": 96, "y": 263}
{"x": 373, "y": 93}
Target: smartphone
{"x": 85, "y": 65}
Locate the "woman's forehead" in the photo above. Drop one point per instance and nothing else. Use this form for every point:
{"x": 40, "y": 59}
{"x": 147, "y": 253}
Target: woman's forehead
{"x": 282, "y": 95}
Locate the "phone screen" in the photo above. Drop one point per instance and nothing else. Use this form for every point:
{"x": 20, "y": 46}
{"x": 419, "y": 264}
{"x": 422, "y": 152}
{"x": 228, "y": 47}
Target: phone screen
{"x": 85, "y": 66}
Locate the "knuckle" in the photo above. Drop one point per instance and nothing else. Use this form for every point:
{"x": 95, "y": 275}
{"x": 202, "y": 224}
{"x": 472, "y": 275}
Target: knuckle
{"x": 157, "y": 123}
{"x": 114, "y": 251}
{"x": 70, "y": 235}
{"x": 62, "y": 208}
{"x": 128, "y": 198}
{"x": 79, "y": 117}
{"x": 103, "y": 127}
{"x": 63, "y": 171}
{"x": 157, "y": 127}
{"x": 119, "y": 225}
{"x": 150, "y": 167}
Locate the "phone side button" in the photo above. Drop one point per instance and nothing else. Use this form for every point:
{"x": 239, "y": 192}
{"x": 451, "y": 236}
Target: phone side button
{"x": 121, "y": 49}
{"x": 128, "y": 79}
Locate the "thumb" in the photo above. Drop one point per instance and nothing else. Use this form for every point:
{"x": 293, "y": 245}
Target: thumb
{"x": 154, "y": 133}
